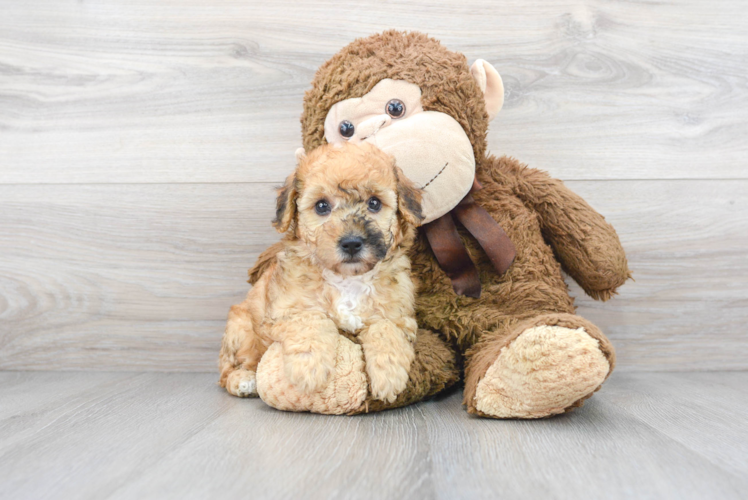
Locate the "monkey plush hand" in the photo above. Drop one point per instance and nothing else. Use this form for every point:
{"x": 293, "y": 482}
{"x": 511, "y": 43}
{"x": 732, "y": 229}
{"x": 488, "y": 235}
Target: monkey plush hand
{"x": 489, "y": 261}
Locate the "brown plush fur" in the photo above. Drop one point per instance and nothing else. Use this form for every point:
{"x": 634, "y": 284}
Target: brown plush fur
{"x": 443, "y": 76}
{"x": 313, "y": 289}
{"x": 547, "y": 223}
{"x": 484, "y": 353}
{"x": 551, "y": 227}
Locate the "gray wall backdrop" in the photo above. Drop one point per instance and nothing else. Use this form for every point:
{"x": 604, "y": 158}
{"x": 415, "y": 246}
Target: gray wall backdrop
{"x": 140, "y": 143}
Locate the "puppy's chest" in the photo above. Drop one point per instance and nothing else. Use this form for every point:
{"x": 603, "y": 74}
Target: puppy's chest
{"x": 352, "y": 300}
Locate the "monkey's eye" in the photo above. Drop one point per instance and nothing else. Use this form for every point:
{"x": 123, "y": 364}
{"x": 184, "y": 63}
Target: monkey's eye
{"x": 374, "y": 204}
{"x": 395, "y": 108}
{"x": 346, "y": 129}
{"x": 322, "y": 207}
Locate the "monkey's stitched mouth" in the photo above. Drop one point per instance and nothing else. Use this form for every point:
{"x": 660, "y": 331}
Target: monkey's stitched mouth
{"x": 437, "y": 175}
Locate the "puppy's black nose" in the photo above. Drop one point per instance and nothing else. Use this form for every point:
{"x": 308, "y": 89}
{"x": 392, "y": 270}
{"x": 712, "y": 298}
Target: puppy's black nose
{"x": 352, "y": 244}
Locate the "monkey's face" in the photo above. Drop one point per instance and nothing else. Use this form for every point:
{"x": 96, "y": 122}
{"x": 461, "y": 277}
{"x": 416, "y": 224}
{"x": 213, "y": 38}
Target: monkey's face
{"x": 431, "y": 147}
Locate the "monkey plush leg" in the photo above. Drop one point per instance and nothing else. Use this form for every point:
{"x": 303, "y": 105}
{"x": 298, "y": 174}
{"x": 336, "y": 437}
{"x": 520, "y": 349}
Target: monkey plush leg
{"x": 543, "y": 366}
{"x": 434, "y": 369}
{"x": 344, "y": 392}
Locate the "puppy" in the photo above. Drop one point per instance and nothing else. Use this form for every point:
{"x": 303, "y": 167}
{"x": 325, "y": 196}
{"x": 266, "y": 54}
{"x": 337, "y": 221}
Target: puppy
{"x": 349, "y": 216}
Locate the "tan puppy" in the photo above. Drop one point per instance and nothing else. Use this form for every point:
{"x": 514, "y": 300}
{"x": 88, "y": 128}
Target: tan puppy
{"x": 349, "y": 216}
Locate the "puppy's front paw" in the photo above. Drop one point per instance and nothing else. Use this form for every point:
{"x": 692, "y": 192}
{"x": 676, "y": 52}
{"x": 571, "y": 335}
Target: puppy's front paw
{"x": 309, "y": 371}
{"x": 387, "y": 379}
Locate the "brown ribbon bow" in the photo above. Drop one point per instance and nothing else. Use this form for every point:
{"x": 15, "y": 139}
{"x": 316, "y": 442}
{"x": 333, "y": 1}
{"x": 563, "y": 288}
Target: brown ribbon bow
{"x": 451, "y": 253}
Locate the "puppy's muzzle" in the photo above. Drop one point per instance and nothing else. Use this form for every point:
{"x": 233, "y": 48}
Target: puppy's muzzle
{"x": 351, "y": 246}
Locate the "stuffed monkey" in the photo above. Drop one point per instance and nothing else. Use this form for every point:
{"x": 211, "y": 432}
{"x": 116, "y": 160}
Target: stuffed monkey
{"x": 488, "y": 262}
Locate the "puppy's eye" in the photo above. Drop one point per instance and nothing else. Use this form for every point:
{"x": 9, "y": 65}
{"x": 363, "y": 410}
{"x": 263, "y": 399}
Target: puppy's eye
{"x": 322, "y": 207}
{"x": 374, "y": 204}
{"x": 395, "y": 108}
{"x": 346, "y": 129}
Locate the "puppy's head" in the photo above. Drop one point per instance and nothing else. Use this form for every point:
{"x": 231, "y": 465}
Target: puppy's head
{"x": 350, "y": 205}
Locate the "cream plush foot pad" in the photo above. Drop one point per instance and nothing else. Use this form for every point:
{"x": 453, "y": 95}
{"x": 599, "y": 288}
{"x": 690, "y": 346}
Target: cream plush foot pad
{"x": 345, "y": 393}
{"x": 541, "y": 373}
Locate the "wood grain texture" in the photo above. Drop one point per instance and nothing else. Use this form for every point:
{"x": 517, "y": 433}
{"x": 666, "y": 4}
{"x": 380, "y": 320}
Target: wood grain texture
{"x": 686, "y": 243}
{"x": 122, "y": 436}
{"x": 125, "y": 276}
{"x": 140, "y": 277}
{"x": 198, "y": 91}
{"x": 140, "y": 141}
{"x": 688, "y": 408}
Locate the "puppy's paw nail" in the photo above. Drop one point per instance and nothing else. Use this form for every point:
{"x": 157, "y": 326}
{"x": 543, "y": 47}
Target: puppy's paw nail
{"x": 247, "y": 388}
{"x": 388, "y": 397}
{"x": 241, "y": 383}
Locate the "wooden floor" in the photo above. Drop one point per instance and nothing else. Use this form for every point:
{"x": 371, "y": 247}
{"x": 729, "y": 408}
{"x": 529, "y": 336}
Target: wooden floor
{"x": 156, "y": 435}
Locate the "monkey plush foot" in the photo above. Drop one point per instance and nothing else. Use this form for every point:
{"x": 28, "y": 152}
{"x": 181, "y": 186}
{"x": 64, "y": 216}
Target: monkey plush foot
{"x": 545, "y": 370}
{"x": 344, "y": 393}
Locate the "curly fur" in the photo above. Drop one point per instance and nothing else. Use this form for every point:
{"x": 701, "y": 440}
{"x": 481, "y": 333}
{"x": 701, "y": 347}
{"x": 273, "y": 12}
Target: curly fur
{"x": 313, "y": 290}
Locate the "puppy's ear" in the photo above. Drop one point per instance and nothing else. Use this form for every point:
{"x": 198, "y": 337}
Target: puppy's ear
{"x": 285, "y": 205}
{"x": 408, "y": 199}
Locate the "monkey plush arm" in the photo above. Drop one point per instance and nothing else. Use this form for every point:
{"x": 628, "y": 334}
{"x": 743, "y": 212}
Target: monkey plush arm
{"x": 586, "y": 245}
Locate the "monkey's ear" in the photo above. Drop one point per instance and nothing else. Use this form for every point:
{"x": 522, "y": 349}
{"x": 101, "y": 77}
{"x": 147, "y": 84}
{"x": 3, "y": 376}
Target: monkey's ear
{"x": 489, "y": 81}
{"x": 408, "y": 199}
{"x": 285, "y": 205}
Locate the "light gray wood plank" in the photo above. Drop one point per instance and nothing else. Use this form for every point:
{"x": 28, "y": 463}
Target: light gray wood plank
{"x": 197, "y": 91}
{"x": 140, "y": 277}
{"x": 180, "y": 436}
{"x": 271, "y": 454}
{"x": 90, "y": 444}
{"x": 686, "y": 244}
{"x": 125, "y": 277}
{"x": 32, "y": 401}
{"x": 601, "y": 451}
{"x": 706, "y": 413}
{"x": 23, "y": 392}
